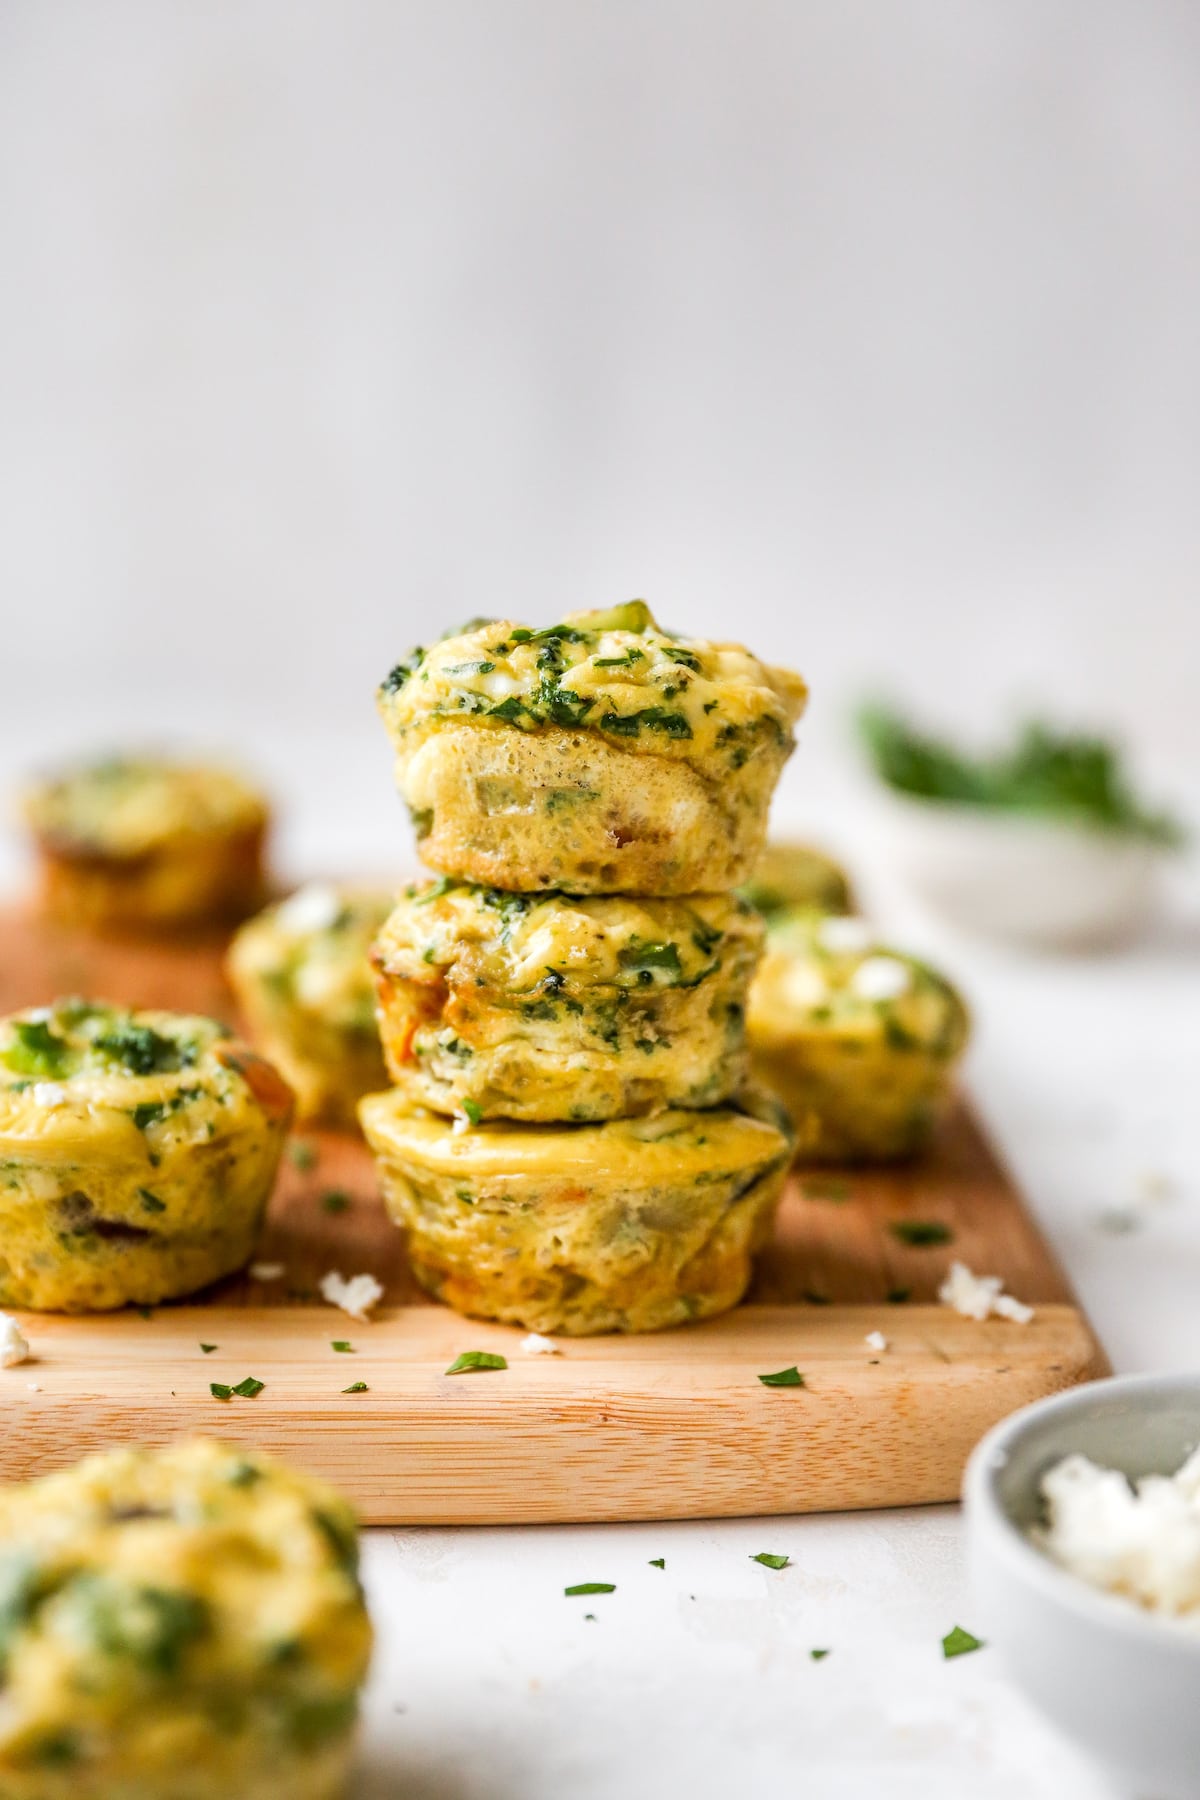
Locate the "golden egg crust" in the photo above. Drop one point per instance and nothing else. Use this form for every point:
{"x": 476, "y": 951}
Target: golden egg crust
{"x": 858, "y": 1037}
{"x": 601, "y": 755}
{"x": 180, "y": 1624}
{"x": 302, "y": 978}
{"x": 790, "y": 876}
{"x": 139, "y": 843}
{"x": 546, "y": 1007}
{"x": 137, "y": 1153}
{"x": 630, "y": 1225}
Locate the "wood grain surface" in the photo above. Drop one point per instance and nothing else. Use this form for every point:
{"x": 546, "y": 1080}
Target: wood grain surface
{"x": 668, "y": 1426}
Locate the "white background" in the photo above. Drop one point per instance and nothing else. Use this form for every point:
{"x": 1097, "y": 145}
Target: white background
{"x": 864, "y": 331}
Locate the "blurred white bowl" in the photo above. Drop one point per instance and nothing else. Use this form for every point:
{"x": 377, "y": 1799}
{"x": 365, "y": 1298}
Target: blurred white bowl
{"x": 1121, "y": 1682}
{"x": 1038, "y": 880}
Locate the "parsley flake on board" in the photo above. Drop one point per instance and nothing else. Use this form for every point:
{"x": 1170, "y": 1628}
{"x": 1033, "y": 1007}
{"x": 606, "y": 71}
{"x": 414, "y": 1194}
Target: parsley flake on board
{"x": 591, "y": 1587}
{"x": 770, "y": 1561}
{"x": 220, "y": 1390}
{"x": 818, "y": 1655}
{"x": 335, "y": 1200}
{"x": 209, "y": 1348}
{"x": 356, "y": 1387}
{"x": 472, "y": 1361}
{"x": 960, "y": 1643}
{"x": 783, "y": 1378}
{"x": 249, "y": 1387}
{"x": 921, "y": 1233}
{"x": 342, "y": 1344}
{"x": 302, "y": 1156}
{"x": 658, "y": 1562}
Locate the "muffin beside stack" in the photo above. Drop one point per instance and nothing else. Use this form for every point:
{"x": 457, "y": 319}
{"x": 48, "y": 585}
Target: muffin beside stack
{"x": 570, "y": 1142}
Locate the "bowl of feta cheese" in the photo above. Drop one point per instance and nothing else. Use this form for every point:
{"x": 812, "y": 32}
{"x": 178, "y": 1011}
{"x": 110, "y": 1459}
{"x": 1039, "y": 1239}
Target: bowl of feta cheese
{"x": 1083, "y": 1531}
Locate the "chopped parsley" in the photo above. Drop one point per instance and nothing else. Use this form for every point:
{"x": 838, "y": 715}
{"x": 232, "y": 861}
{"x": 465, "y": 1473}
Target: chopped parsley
{"x": 783, "y": 1378}
{"x": 921, "y": 1233}
{"x": 643, "y": 959}
{"x": 151, "y": 1202}
{"x": 302, "y": 1156}
{"x": 335, "y": 1200}
{"x": 356, "y": 1387}
{"x": 818, "y": 1655}
{"x": 958, "y": 1642}
{"x": 655, "y": 718}
{"x": 209, "y": 1348}
{"x": 591, "y": 1587}
{"x": 395, "y": 679}
{"x": 473, "y": 1112}
{"x": 475, "y": 1361}
{"x": 770, "y": 1560}
{"x": 898, "y": 1296}
{"x": 658, "y": 1562}
{"x": 249, "y": 1387}
{"x": 343, "y": 1345}
{"x": 220, "y": 1390}
{"x": 36, "y": 1050}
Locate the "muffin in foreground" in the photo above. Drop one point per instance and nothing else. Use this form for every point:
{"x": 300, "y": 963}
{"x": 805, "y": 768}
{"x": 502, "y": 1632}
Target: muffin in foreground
{"x": 787, "y": 876}
{"x": 141, "y": 843}
{"x": 302, "y": 978}
{"x": 180, "y": 1624}
{"x": 861, "y": 1038}
{"x": 602, "y": 755}
{"x": 630, "y": 1225}
{"x": 137, "y": 1154}
{"x": 544, "y": 1007}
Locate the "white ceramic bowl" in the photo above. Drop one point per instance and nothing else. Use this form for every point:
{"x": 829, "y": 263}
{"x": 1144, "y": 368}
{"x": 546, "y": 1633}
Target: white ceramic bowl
{"x": 1123, "y": 1684}
{"x": 1037, "y": 880}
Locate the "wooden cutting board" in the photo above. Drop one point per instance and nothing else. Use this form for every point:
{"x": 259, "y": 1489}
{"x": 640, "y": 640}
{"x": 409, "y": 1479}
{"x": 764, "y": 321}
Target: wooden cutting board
{"x": 675, "y": 1425}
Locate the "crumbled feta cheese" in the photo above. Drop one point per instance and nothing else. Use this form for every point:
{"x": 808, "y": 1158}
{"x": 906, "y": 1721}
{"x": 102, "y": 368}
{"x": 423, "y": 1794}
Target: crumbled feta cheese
{"x": 49, "y": 1093}
{"x": 35, "y": 1387}
{"x": 311, "y": 908}
{"x": 537, "y": 1345}
{"x": 355, "y": 1296}
{"x": 804, "y": 985}
{"x": 844, "y": 936}
{"x": 980, "y": 1296}
{"x": 266, "y": 1271}
{"x": 1140, "y": 1540}
{"x": 875, "y": 1340}
{"x": 881, "y": 978}
{"x": 461, "y": 1124}
{"x": 14, "y": 1346}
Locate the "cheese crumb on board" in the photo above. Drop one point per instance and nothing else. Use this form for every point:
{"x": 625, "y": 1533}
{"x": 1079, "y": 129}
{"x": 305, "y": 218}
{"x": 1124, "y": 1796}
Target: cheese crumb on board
{"x": 981, "y": 1296}
{"x": 875, "y": 1340}
{"x": 355, "y": 1296}
{"x": 1138, "y": 1539}
{"x": 266, "y": 1271}
{"x": 14, "y": 1346}
{"x": 537, "y": 1345}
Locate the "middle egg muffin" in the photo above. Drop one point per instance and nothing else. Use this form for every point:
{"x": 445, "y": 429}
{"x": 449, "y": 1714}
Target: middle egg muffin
{"x": 544, "y": 1007}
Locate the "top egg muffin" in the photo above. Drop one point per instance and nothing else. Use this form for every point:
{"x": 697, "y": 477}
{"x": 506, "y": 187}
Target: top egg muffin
{"x": 145, "y": 843}
{"x": 600, "y": 755}
{"x": 853, "y": 1035}
{"x": 179, "y": 1624}
{"x": 137, "y": 1153}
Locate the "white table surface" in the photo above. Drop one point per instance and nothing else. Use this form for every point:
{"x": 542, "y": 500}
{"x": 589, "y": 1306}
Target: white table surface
{"x": 696, "y": 1680}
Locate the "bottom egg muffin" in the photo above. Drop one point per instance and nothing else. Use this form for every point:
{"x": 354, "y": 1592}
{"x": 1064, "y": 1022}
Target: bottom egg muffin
{"x": 860, "y": 1038}
{"x": 180, "y": 1624}
{"x": 630, "y": 1225}
{"x": 303, "y": 982}
{"x": 137, "y": 1154}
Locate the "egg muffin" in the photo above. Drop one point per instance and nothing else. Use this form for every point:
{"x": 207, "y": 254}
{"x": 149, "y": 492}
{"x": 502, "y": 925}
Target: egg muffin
{"x": 180, "y": 1624}
{"x": 140, "y": 843}
{"x": 137, "y": 1153}
{"x": 544, "y": 1007}
{"x": 303, "y": 982}
{"x": 602, "y": 755}
{"x": 860, "y": 1037}
{"x": 629, "y": 1225}
{"x": 787, "y": 876}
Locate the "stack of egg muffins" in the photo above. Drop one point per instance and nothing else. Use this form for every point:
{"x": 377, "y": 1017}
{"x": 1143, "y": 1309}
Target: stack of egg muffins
{"x": 570, "y": 1142}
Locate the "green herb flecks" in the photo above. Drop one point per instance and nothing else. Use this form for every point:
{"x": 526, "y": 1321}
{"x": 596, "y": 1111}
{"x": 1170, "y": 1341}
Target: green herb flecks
{"x": 818, "y": 1655}
{"x": 356, "y": 1387}
{"x": 36, "y": 1050}
{"x": 473, "y": 1362}
{"x": 472, "y": 1112}
{"x": 783, "y": 1378}
{"x": 302, "y": 1156}
{"x": 342, "y": 1345}
{"x": 335, "y": 1200}
{"x": 921, "y": 1233}
{"x": 960, "y": 1643}
{"x": 590, "y": 1587}
{"x": 770, "y": 1560}
{"x": 658, "y": 1562}
{"x": 209, "y": 1348}
{"x": 395, "y": 679}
